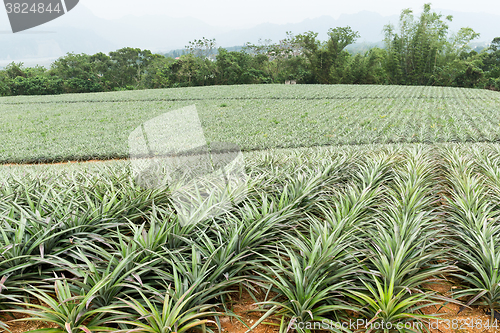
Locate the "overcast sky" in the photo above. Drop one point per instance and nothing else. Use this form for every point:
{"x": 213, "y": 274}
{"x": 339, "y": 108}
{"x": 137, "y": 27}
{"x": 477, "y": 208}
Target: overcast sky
{"x": 236, "y": 13}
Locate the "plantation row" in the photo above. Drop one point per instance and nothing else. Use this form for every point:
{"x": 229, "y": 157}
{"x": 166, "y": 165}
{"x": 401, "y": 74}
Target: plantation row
{"x": 268, "y": 91}
{"x": 323, "y": 234}
{"x": 54, "y": 130}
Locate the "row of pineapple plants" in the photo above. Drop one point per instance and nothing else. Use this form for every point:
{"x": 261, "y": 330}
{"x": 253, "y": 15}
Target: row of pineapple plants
{"x": 252, "y": 117}
{"x": 325, "y": 237}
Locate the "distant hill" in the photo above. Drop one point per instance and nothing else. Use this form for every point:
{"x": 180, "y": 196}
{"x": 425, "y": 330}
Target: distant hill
{"x": 484, "y": 23}
{"x": 81, "y": 31}
{"x": 178, "y": 52}
{"x": 52, "y": 43}
{"x": 369, "y": 25}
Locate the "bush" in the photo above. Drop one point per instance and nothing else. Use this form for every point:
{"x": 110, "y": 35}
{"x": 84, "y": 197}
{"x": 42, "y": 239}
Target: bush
{"x": 78, "y": 85}
{"x": 5, "y": 87}
{"x": 37, "y": 85}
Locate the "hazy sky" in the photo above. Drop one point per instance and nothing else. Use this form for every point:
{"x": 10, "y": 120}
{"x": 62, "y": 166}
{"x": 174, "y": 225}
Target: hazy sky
{"x": 246, "y": 13}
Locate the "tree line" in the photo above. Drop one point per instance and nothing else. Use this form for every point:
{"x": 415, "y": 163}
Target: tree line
{"x": 419, "y": 51}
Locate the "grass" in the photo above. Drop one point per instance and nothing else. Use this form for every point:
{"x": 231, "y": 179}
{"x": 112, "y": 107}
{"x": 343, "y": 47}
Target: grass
{"x": 97, "y": 126}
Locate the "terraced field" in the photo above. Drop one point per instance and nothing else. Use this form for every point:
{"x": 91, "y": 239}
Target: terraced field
{"x": 97, "y": 126}
{"x": 339, "y": 238}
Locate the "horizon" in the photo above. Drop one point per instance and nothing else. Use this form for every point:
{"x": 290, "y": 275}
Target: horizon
{"x": 84, "y": 31}
{"x": 239, "y": 15}
{"x": 104, "y": 12}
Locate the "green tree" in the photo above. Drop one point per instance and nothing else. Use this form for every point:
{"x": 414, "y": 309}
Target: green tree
{"x": 189, "y": 70}
{"x": 36, "y": 85}
{"x": 490, "y": 64}
{"x": 5, "y": 83}
{"x": 202, "y": 48}
{"x": 328, "y": 60}
{"x": 277, "y": 62}
{"x": 422, "y": 48}
{"x": 14, "y": 70}
{"x": 236, "y": 68}
{"x": 157, "y": 74}
{"x": 19, "y": 80}
{"x": 367, "y": 68}
{"x": 128, "y": 66}
{"x": 413, "y": 52}
{"x": 78, "y": 73}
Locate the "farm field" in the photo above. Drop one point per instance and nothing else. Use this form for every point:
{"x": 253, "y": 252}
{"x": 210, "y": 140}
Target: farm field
{"x": 324, "y": 234}
{"x": 363, "y": 205}
{"x": 97, "y": 126}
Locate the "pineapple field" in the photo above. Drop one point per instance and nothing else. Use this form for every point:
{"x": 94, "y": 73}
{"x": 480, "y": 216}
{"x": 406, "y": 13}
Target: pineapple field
{"x": 366, "y": 209}
{"x": 96, "y": 126}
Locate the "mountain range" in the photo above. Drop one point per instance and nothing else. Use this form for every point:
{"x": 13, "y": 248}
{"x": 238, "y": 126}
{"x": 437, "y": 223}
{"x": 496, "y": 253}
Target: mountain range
{"x": 81, "y": 31}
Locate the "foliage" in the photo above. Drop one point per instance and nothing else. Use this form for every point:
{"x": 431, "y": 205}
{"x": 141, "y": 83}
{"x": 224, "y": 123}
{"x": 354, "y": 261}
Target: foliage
{"x": 327, "y": 231}
{"x": 202, "y": 48}
{"x": 328, "y": 59}
{"x": 476, "y": 233}
{"x": 172, "y": 316}
{"x": 128, "y": 65}
{"x": 420, "y": 51}
{"x": 70, "y": 313}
